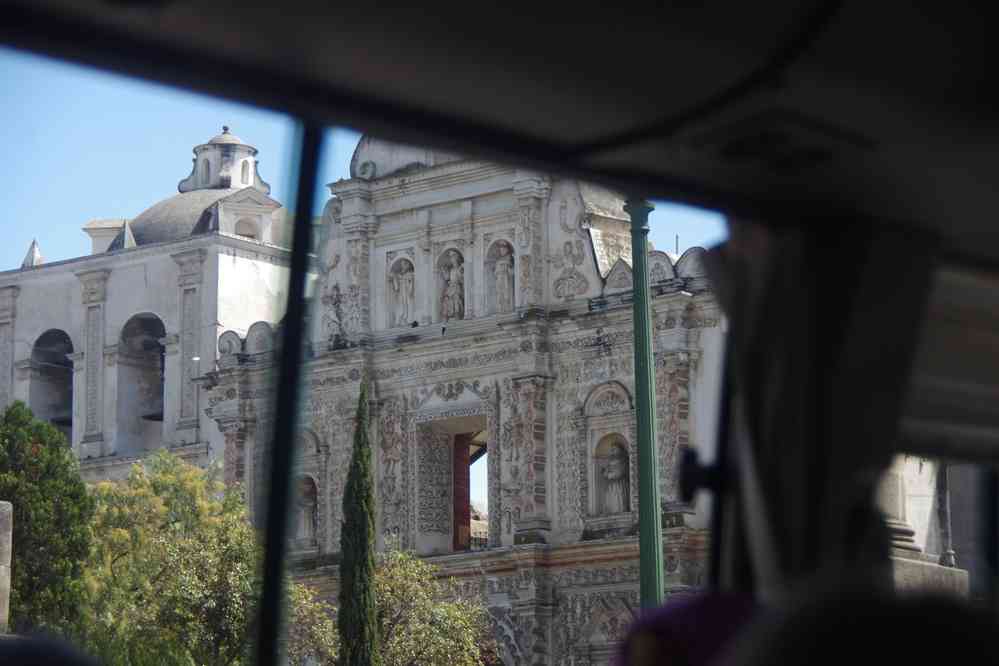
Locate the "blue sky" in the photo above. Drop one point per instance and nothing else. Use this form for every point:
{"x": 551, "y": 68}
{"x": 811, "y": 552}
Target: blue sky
{"x": 81, "y": 144}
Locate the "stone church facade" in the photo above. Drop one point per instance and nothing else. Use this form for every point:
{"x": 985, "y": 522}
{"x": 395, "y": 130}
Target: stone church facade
{"x": 490, "y": 308}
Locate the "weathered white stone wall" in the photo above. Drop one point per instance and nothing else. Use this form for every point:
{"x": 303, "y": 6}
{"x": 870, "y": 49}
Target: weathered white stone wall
{"x": 251, "y": 288}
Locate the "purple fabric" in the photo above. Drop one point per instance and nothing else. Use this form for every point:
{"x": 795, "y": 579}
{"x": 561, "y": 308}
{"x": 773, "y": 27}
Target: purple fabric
{"x": 691, "y": 630}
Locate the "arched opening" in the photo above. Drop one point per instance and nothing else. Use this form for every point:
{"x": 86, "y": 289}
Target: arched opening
{"x": 247, "y": 229}
{"x": 613, "y": 476}
{"x": 141, "y": 370}
{"x": 307, "y": 513}
{"x": 50, "y": 394}
{"x": 205, "y": 171}
{"x": 245, "y": 175}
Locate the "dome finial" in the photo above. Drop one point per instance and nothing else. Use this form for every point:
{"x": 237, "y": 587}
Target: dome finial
{"x": 225, "y": 129}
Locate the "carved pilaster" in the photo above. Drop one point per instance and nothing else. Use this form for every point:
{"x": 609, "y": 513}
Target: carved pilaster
{"x": 191, "y": 264}
{"x": 8, "y": 312}
{"x": 532, "y": 192}
{"x": 94, "y": 294}
{"x": 529, "y": 457}
{"x": 237, "y": 433}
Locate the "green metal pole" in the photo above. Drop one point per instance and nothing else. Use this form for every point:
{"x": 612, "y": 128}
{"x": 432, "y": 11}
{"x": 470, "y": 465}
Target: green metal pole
{"x": 650, "y": 541}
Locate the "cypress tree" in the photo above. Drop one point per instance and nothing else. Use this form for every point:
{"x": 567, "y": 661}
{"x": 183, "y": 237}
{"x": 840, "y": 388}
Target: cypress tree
{"x": 357, "y": 620}
{"x": 40, "y": 477}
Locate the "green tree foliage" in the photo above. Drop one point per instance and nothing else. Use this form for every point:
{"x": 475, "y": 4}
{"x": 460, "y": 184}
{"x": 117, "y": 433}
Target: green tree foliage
{"x": 424, "y": 619}
{"x": 40, "y": 477}
{"x": 173, "y": 576}
{"x": 357, "y": 618}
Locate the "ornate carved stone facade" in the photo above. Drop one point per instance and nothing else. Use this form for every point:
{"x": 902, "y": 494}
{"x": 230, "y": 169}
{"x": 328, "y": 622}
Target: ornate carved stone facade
{"x": 541, "y": 376}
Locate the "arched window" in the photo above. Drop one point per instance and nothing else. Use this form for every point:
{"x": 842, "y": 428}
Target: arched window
{"x": 246, "y": 229}
{"x": 205, "y": 171}
{"x": 246, "y": 173}
{"x": 50, "y": 394}
{"x": 140, "y": 363}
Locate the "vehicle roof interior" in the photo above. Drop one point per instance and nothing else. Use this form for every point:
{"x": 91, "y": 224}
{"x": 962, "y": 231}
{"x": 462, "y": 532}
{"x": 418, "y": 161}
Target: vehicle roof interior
{"x": 779, "y": 110}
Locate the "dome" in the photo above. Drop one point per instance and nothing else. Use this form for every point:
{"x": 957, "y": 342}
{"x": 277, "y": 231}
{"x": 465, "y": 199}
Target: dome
{"x": 225, "y": 137}
{"x": 174, "y": 218}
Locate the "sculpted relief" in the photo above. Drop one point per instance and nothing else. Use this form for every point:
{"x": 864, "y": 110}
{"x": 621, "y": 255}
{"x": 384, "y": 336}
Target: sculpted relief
{"x": 570, "y": 282}
{"x": 402, "y": 284}
{"x": 451, "y": 268}
{"x": 613, "y": 484}
{"x": 500, "y": 277}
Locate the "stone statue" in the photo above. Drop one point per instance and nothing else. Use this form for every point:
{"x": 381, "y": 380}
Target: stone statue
{"x": 504, "y": 279}
{"x": 305, "y": 530}
{"x": 402, "y": 284}
{"x": 453, "y": 299}
{"x": 616, "y": 486}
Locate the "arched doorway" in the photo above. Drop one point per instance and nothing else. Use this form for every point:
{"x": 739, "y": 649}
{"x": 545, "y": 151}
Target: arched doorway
{"x": 50, "y": 394}
{"x": 141, "y": 369}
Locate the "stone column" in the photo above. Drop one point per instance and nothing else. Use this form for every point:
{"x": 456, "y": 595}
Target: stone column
{"x": 171, "y": 380}
{"x": 79, "y": 399}
{"x": 113, "y": 444}
{"x": 94, "y": 294}
{"x": 8, "y": 312}
{"x": 892, "y": 501}
{"x": 189, "y": 280}
{"x": 530, "y": 457}
{"x": 6, "y": 548}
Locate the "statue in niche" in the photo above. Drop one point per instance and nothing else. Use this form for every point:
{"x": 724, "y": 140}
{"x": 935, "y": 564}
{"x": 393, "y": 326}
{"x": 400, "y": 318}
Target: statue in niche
{"x": 614, "y": 486}
{"x": 453, "y": 275}
{"x": 503, "y": 271}
{"x": 402, "y": 281}
{"x": 308, "y": 512}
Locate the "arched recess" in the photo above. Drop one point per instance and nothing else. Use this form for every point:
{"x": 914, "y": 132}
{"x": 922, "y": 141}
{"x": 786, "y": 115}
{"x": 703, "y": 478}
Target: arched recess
{"x": 306, "y": 519}
{"x": 50, "y": 394}
{"x": 401, "y": 305}
{"x": 501, "y": 294}
{"x": 247, "y": 228}
{"x": 140, "y": 385}
{"x": 205, "y": 171}
{"x": 607, "y": 462}
{"x": 451, "y": 285}
{"x": 245, "y": 175}
{"x": 612, "y": 464}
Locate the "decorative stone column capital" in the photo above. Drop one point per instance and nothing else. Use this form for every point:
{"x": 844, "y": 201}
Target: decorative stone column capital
{"x": 94, "y": 285}
{"x": 191, "y": 263}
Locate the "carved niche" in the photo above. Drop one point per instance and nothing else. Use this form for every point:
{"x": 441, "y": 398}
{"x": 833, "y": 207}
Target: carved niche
{"x": 499, "y": 277}
{"x": 607, "y": 461}
{"x": 401, "y": 292}
{"x": 451, "y": 285}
